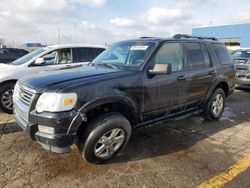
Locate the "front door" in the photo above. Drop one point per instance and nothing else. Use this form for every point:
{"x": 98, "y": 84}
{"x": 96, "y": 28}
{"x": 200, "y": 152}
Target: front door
{"x": 170, "y": 90}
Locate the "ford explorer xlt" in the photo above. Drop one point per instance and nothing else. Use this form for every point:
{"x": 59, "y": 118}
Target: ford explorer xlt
{"x": 132, "y": 84}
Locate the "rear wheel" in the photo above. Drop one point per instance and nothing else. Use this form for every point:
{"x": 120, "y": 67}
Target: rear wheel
{"x": 215, "y": 107}
{"x": 6, "y": 98}
{"x": 104, "y": 137}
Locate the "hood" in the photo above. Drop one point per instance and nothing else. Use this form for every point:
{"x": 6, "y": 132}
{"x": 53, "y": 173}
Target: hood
{"x": 56, "y": 80}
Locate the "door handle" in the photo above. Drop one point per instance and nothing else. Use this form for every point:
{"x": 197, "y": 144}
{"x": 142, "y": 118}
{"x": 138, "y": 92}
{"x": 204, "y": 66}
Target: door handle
{"x": 211, "y": 72}
{"x": 182, "y": 77}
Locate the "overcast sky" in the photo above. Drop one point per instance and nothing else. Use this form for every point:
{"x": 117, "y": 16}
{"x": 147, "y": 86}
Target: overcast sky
{"x": 100, "y": 21}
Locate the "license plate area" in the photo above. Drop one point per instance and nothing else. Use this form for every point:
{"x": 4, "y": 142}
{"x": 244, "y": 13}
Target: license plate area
{"x": 22, "y": 111}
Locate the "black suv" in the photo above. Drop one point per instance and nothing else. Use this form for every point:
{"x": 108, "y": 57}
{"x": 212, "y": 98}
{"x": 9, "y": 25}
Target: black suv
{"x": 8, "y": 55}
{"x": 134, "y": 83}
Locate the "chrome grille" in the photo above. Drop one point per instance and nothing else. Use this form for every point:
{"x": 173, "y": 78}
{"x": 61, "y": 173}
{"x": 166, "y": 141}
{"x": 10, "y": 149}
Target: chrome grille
{"x": 24, "y": 94}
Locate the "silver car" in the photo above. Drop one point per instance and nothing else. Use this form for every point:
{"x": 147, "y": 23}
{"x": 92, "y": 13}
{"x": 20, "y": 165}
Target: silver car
{"x": 54, "y": 57}
{"x": 243, "y": 75}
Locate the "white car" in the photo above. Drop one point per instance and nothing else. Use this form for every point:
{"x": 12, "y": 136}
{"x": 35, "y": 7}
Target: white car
{"x": 54, "y": 57}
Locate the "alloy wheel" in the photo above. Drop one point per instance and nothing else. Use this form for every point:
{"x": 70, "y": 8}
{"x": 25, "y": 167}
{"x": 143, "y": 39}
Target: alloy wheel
{"x": 218, "y": 104}
{"x": 7, "y": 99}
{"x": 109, "y": 143}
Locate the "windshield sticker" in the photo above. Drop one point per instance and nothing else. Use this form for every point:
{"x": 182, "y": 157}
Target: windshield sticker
{"x": 139, "y": 48}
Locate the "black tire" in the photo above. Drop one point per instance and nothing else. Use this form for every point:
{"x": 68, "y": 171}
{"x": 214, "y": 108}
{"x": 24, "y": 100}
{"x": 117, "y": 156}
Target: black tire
{"x": 3, "y": 90}
{"x": 209, "y": 112}
{"x": 96, "y": 129}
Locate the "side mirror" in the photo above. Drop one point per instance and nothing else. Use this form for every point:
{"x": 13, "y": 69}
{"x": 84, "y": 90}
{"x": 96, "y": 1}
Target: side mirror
{"x": 39, "y": 61}
{"x": 160, "y": 69}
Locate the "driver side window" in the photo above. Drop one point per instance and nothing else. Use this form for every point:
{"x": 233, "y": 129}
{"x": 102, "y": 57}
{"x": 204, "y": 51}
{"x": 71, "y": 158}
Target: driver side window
{"x": 62, "y": 56}
{"x": 49, "y": 58}
{"x": 170, "y": 53}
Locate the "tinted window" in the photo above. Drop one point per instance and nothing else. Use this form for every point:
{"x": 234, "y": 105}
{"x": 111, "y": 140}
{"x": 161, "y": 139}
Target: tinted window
{"x": 195, "y": 57}
{"x": 222, "y": 54}
{"x": 15, "y": 51}
{"x": 99, "y": 51}
{"x": 170, "y": 53}
{"x": 4, "y": 51}
{"x": 84, "y": 54}
{"x": 241, "y": 54}
{"x": 205, "y": 54}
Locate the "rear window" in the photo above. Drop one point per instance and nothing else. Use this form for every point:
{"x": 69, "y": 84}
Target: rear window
{"x": 195, "y": 56}
{"x": 241, "y": 54}
{"x": 222, "y": 54}
{"x": 84, "y": 54}
{"x": 99, "y": 51}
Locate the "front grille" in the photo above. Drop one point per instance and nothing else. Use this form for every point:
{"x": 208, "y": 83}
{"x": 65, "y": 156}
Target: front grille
{"x": 242, "y": 68}
{"x": 24, "y": 94}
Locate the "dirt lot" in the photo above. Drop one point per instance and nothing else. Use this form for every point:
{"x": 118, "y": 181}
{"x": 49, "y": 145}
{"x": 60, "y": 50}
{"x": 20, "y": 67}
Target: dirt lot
{"x": 182, "y": 154}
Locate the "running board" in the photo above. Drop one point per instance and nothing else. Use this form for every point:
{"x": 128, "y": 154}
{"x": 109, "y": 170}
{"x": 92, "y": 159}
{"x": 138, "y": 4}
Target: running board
{"x": 171, "y": 117}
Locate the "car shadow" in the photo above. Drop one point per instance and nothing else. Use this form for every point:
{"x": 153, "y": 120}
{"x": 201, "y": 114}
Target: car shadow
{"x": 8, "y": 124}
{"x": 171, "y": 137}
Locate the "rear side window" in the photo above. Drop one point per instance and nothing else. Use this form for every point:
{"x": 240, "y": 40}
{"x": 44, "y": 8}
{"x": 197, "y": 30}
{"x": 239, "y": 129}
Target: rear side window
{"x": 206, "y": 55}
{"x": 84, "y": 54}
{"x": 99, "y": 51}
{"x": 222, "y": 54}
{"x": 194, "y": 54}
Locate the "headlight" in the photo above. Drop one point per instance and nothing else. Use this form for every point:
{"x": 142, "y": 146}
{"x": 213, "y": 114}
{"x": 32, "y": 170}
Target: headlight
{"x": 56, "y": 102}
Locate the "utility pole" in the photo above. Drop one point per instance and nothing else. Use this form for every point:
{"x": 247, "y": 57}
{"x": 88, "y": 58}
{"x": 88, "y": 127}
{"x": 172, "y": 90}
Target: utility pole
{"x": 58, "y": 36}
{"x": 75, "y": 34}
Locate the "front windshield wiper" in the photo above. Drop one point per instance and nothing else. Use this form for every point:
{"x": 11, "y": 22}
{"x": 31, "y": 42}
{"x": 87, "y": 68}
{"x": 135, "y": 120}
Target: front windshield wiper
{"x": 109, "y": 65}
{"x": 92, "y": 64}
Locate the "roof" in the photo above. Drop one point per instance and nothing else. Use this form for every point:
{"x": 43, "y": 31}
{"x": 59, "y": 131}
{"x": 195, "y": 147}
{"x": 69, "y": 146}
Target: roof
{"x": 76, "y": 45}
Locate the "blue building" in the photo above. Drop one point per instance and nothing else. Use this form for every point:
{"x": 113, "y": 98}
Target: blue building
{"x": 234, "y": 34}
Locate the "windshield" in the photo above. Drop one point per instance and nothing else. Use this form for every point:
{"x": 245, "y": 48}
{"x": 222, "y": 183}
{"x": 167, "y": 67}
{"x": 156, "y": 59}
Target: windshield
{"x": 127, "y": 55}
{"x": 28, "y": 57}
{"x": 241, "y": 54}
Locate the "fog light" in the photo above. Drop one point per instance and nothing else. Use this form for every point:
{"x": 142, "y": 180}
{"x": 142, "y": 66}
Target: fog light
{"x": 45, "y": 129}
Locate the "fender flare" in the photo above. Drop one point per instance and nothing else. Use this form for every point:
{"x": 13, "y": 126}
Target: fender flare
{"x": 111, "y": 99}
{"x": 215, "y": 84}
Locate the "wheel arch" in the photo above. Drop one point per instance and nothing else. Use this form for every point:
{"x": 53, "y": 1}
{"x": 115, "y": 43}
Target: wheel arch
{"x": 8, "y": 82}
{"x": 123, "y": 105}
{"x": 219, "y": 84}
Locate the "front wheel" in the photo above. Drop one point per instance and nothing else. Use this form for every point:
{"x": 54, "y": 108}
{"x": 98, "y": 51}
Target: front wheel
{"x": 6, "y": 98}
{"x": 215, "y": 106}
{"x": 104, "y": 137}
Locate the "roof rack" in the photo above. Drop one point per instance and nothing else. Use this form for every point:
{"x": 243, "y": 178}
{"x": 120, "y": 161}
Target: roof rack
{"x": 180, "y": 36}
{"x": 148, "y": 37}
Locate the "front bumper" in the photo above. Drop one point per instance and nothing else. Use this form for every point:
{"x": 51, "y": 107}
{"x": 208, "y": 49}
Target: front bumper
{"x": 61, "y": 141}
{"x": 242, "y": 83}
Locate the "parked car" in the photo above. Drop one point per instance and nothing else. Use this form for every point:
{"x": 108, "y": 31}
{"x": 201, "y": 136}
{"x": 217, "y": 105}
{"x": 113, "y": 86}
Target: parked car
{"x": 8, "y": 55}
{"x": 132, "y": 84}
{"x": 44, "y": 59}
{"x": 243, "y": 75}
{"x": 241, "y": 56}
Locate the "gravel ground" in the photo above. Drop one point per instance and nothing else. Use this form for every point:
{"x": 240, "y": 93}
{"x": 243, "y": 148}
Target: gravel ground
{"x": 178, "y": 154}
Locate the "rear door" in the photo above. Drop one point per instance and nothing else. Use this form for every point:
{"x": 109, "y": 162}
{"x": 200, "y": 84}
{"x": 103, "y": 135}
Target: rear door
{"x": 200, "y": 70}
